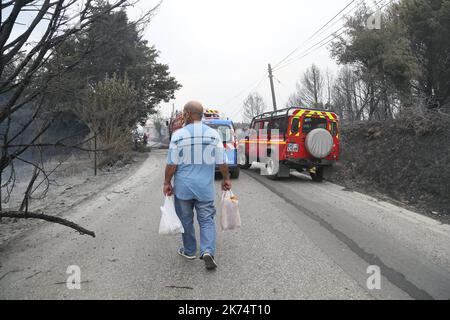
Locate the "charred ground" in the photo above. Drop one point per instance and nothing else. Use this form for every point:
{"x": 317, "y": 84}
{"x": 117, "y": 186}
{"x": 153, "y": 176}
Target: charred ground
{"x": 406, "y": 159}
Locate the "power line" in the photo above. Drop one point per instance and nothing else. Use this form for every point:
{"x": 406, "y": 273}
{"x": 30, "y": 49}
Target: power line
{"x": 320, "y": 44}
{"x": 313, "y": 48}
{"x": 254, "y": 86}
{"x": 310, "y": 38}
{"x": 307, "y": 51}
{"x": 330, "y": 35}
{"x": 329, "y": 27}
{"x": 244, "y": 90}
{"x": 314, "y": 34}
{"x": 280, "y": 82}
{"x": 238, "y": 110}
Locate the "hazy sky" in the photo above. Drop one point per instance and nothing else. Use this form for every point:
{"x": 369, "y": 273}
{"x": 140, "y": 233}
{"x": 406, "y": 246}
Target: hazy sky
{"x": 216, "y": 49}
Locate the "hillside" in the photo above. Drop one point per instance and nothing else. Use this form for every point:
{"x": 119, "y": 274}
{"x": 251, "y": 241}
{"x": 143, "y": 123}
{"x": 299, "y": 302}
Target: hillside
{"x": 405, "y": 159}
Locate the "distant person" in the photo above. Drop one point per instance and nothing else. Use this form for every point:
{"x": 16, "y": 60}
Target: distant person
{"x": 136, "y": 139}
{"x": 245, "y": 132}
{"x": 145, "y": 139}
{"x": 194, "y": 150}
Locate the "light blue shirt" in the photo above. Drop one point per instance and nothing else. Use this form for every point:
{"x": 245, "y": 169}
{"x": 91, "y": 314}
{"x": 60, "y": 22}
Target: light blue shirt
{"x": 195, "y": 149}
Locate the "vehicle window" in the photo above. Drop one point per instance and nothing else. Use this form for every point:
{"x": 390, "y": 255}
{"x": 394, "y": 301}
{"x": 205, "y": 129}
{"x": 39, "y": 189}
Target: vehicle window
{"x": 279, "y": 124}
{"x": 334, "y": 128}
{"x": 295, "y": 124}
{"x": 310, "y": 124}
{"x": 224, "y": 131}
{"x": 262, "y": 129}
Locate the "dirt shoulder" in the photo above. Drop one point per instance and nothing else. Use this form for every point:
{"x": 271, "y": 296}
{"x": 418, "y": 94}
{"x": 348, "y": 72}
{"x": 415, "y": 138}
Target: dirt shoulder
{"x": 74, "y": 182}
{"x": 406, "y": 162}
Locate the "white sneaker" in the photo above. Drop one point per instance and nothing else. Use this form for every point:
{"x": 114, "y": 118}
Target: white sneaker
{"x": 181, "y": 253}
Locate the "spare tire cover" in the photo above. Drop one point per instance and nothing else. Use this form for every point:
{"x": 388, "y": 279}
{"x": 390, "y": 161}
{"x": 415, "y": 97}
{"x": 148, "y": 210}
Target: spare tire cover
{"x": 319, "y": 143}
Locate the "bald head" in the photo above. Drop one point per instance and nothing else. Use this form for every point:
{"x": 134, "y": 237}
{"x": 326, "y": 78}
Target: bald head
{"x": 193, "y": 111}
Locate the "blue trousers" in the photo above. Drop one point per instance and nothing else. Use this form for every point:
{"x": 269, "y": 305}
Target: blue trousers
{"x": 206, "y": 212}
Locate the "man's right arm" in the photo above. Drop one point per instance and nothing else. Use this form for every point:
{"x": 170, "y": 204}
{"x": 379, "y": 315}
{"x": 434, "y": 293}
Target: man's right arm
{"x": 171, "y": 167}
{"x": 170, "y": 171}
{"x": 226, "y": 183}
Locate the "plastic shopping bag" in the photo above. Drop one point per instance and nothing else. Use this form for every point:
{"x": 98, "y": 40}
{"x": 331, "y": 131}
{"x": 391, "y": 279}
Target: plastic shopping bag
{"x": 170, "y": 224}
{"x": 230, "y": 217}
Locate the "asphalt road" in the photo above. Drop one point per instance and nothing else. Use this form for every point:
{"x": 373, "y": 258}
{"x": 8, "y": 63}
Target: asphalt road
{"x": 299, "y": 240}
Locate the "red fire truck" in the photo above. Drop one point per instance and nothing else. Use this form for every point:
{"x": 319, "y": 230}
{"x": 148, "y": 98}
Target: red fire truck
{"x": 292, "y": 138}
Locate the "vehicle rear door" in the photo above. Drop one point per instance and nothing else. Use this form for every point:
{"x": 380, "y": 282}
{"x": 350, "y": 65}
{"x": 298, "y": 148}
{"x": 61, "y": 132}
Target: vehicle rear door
{"x": 295, "y": 139}
{"x": 229, "y": 143}
{"x": 277, "y": 136}
{"x": 253, "y": 141}
{"x": 263, "y": 139}
{"x": 308, "y": 124}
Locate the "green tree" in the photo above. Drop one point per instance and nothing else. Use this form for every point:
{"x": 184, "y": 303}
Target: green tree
{"x": 382, "y": 59}
{"x": 108, "y": 109}
{"x": 427, "y": 27}
{"x": 113, "y": 46}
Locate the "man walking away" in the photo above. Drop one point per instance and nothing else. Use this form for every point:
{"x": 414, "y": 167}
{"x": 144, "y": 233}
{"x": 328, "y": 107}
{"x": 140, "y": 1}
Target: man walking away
{"x": 194, "y": 151}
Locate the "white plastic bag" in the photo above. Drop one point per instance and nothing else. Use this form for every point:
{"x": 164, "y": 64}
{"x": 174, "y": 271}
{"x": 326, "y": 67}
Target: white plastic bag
{"x": 170, "y": 224}
{"x": 230, "y": 218}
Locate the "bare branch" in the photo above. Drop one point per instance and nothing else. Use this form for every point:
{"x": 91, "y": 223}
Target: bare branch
{"x": 7, "y": 4}
{"x": 60, "y": 144}
{"x": 48, "y": 41}
{"x": 27, "y": 195}
{"x": 40, "y": 216}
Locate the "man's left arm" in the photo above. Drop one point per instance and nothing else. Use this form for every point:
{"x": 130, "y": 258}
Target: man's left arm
{"x": 221, "y": 161}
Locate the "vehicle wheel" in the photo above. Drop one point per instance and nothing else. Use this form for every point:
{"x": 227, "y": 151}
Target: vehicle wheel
{"x": 244, "y": 162}
{"x": 235, "y": 173}
{"x": 316, "y": 174}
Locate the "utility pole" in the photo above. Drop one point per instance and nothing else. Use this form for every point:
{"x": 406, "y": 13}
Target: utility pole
{"x": 274, "y": 101}
{"x": 169, "y": 126}
{"x": 95, "y": 155}
{"x": 172, "y": 114}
